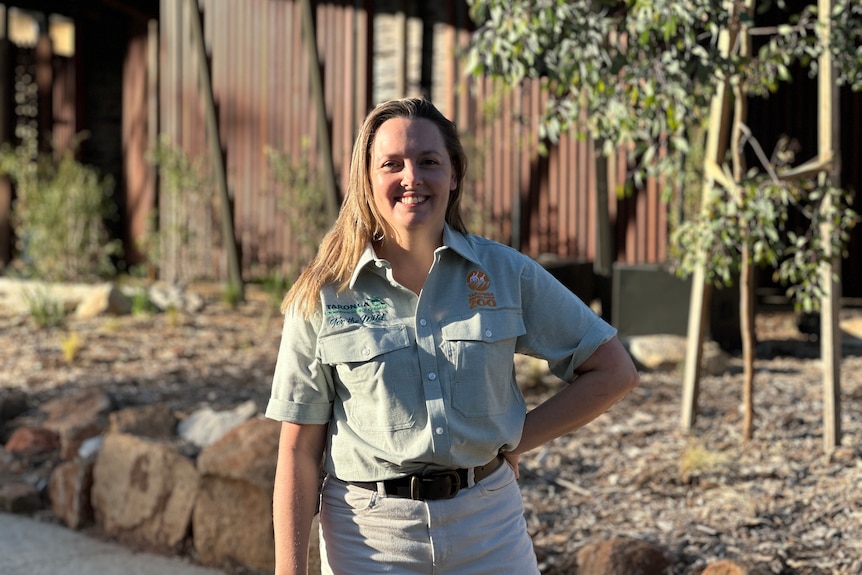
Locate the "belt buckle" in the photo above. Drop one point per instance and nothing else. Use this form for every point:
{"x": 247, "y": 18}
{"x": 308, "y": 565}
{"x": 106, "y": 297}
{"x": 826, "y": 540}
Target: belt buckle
{"x": 418, "y": 485}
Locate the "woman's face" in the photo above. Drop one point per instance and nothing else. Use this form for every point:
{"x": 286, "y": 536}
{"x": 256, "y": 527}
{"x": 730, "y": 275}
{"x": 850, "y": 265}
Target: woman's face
{"x": 411, "y": 176}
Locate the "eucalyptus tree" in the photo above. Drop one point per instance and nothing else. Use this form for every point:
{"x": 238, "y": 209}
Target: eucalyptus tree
{"x": 646, "y": 75}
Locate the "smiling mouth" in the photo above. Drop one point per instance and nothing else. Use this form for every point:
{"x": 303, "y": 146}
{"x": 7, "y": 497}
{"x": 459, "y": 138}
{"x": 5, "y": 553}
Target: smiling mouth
{"x": 413, "y": 200}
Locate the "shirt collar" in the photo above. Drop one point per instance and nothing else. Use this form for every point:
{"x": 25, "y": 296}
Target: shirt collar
{"x": 452, "y": 239}
{"x": 368, "y": 256}
{"x": 457, "y": 242}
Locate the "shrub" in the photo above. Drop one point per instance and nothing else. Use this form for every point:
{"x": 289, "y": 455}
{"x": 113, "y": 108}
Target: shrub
{"x": 45, "y": 310}
{"x": 59, "y": 216}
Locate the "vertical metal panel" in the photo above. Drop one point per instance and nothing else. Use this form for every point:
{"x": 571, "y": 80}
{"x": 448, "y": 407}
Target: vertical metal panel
{"x": 540, "y": 203}
{"x": 63, "y": 102}
{"x": 136, "y": 170}
{"x": 260, "y": 73}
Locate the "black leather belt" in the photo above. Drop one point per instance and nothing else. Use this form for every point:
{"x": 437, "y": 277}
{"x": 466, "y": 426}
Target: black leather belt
{"x": 443, "y": 484}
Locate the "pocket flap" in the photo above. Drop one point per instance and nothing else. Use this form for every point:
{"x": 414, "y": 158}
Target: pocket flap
{"x": 362, "y": 344}
{"x": 487, "y": 326}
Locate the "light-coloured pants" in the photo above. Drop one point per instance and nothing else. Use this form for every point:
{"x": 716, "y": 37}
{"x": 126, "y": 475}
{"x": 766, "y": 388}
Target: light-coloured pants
{"x": 481, "y": 531}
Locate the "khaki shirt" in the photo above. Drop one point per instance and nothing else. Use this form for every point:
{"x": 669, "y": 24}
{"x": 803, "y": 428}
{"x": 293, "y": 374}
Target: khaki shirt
{"x": 413, "y": 383}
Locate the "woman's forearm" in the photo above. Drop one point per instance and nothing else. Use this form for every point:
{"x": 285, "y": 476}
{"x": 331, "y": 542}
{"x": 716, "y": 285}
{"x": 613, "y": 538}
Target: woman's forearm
{"x": 295, "y": 496}
{"x": 605, "y": 378}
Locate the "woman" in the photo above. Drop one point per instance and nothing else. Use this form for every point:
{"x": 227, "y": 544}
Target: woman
{"x": 396, "y": 369}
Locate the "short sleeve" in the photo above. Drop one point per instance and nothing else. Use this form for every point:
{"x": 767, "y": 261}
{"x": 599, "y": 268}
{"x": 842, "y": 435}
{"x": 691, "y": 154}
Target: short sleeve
{"x": 302, "y": 386}
{"x": 561, "y": 328}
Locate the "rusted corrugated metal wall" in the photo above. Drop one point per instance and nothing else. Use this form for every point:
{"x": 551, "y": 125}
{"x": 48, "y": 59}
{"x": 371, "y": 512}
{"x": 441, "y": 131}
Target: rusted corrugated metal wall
{"x": 261, "y": 83}
{"x": 371, "y": 51}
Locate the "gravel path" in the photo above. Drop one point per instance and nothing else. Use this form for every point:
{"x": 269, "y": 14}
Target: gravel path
{"x": 778, "y": 502}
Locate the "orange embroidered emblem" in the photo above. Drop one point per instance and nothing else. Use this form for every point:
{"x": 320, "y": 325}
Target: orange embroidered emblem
{"x": 478, "y": 280}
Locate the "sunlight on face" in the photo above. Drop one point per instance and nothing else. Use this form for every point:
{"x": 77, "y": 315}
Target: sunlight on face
{"x": 411, "y": 176}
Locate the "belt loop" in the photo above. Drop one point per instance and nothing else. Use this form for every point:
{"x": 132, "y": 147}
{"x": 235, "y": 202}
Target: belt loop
{"x": 471, "y": 477}
{"x": 381, "y": 489}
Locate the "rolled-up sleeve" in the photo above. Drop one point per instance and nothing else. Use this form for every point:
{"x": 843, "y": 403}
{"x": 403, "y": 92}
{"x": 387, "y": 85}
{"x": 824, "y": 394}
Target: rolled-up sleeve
{"x": 561, "y": 328}
{"x": 302, "y": 386}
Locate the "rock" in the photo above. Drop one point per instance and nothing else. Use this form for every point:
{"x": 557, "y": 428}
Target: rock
{"x": 207, "y": 426}
{"x": 238, "y": 473}
{"x": 728, "y": 567}
{"x": 17, "y": 296}
{"x": 144, "y": 491}
{"x": 851, "y": 340}
{"x": 32, "y": 441}
{"x": 247, "y": 537}
{"x": 8, "y": 462}
{"x": 19, "y": 498}
{"x": 667, "y": 352}
{"x": 155, "y": 421}
{"x": 76, "y": 418}
{"x": 13, "y": 402}
{"x": 175, "y": 297}
{"x": 622, "y": 556}
{"x": 103, "y": 299}
{"x": 69, "y": 492}
{"x": 90, "y": 448}
{"x": 247, "y": 453}
{"x": 657, "y": 352}
{"x": 852, "y": 327}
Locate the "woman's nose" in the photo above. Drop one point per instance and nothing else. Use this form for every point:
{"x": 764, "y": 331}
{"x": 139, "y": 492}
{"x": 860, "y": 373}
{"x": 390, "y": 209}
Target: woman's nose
{"x": 410, "y": 176}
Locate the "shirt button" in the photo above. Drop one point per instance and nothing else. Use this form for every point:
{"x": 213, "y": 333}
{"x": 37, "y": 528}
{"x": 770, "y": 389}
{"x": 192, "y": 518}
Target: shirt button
{"x": 488, "y": 333}
{"x": 432, "y": 376}
{"x": 423, "y": 323}
{"x": 439, "y": 431}
{"x": 366, "y": 351}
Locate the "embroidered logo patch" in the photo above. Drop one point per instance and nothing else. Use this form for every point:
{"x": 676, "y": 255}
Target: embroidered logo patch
{"x": 369, "y": 311}
{"x": 479, "y": 282}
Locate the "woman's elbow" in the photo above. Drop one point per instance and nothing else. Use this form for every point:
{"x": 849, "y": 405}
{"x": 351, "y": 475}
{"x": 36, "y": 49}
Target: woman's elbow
{"x": 625, "y": 373}
{"x": 630, "y": 377}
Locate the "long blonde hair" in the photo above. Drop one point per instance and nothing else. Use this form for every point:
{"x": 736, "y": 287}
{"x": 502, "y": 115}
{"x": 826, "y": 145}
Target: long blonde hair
{"x": 358, "y": 220}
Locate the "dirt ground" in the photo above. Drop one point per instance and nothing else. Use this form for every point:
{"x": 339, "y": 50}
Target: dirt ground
{"x": 779, "y": 502}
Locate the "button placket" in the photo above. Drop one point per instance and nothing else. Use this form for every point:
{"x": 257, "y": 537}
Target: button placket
{"x": 433, "y": 379}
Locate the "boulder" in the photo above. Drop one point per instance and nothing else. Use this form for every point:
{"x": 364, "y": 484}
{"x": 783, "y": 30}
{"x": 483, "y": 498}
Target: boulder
{"x": 17, "y": 295}
{"x": 155, "y": 421}
{"x": 30, "y": 440}
{"x": 622, "y": 556}
{"x": 667, "y": 352}
{"x": 144, "y": 491}
{"x": 69, "y": 492}
{"x": 13, "y": 402}
{"x": 77, "y": 418}
{"x": 19, "y": 497}
{"x": 206, "y": 426}
{"x": 176, "y": 297}
{"x": 237, "y": 478}
{"x": 103, "y": 299}
{"x": 247, "y": 453}
{"x": 729, "y": 567}
{"x": 232, "y": 524}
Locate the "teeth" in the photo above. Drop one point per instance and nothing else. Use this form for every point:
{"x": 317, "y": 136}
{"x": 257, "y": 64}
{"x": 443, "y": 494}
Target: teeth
{"x": 413, "y": 199}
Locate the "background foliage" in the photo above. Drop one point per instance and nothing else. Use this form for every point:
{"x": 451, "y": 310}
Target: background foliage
{"x": 639, "y": 75}
{"x": 59, "y": 215}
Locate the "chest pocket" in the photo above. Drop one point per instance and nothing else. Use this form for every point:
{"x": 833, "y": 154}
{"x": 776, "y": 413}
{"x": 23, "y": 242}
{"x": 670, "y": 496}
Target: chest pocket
{"x": 377, "y": 370}
{"x": 482, "y": 348}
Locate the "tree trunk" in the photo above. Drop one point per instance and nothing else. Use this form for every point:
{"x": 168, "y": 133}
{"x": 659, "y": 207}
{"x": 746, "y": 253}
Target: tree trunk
{"x": 749, "y": 339}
